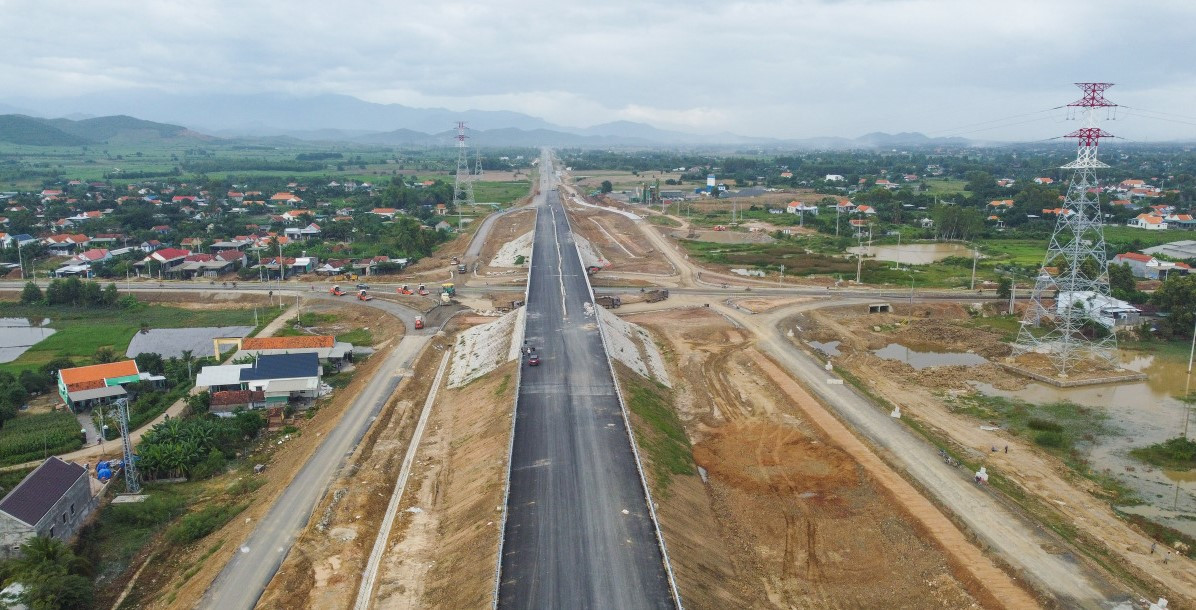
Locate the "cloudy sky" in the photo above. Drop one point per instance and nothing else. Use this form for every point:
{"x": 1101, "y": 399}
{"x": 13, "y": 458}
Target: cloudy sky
{"x": 982, "y": 69}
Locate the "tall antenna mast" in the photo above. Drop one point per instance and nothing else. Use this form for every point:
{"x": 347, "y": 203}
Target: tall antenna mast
{"x": 1072, "y": 287}
{"x": 478, "y": 172}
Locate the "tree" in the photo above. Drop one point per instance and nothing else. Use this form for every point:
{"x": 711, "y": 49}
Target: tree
{"x": 1004, "y": 287}
{"x": 105, "y": 355}
{"x": 607, "y": 186}
{"x": 31, "y": 294}
{"x": 1177, "y": 297}
{"x": 53, "y": 576}
{"x": 1121, "y": 282}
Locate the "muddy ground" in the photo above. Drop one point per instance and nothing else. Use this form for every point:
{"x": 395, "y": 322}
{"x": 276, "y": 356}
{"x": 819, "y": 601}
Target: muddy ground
{"x": 787, "y": 519}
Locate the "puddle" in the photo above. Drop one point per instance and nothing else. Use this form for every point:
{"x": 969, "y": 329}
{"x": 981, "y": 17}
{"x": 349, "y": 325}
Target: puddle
{"x": 20, "y": 334}
{"x": 1141, "y": 413}
{"x": 913, "y": 254}
{"x": 921, "y": 360}
{"x": 829, "y": 348}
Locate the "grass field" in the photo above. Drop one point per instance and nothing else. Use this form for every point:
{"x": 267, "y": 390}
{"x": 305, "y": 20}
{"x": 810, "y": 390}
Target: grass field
{"x": 944, "y": 186}
{"x": 80, "y": 332}
{"x": 501, "y": 192}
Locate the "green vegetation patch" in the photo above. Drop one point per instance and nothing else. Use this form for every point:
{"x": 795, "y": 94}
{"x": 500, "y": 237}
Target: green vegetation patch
{"x": 357, "y": 336}
{"x": 121, "y": 531}
{"x": 659, "y": 432}
{"x": 1175, "y": 454}
{"x": 33, "y": 437}
{"x": 199, "y": 524}
{"x": 501, "y": 192}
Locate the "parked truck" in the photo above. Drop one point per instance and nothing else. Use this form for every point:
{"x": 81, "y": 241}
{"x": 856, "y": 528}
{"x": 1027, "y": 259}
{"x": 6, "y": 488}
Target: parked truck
{"x": 655, "y": 296}
{"x": 609, "y": 301}
{"x": 447, "y": 292}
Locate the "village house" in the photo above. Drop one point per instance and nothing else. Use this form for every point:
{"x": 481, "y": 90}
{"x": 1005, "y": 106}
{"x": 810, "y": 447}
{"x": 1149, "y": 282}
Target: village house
{"x": 82, "y": 387}
{"x": 1149, "y": 267}
{"x": 53, "y": 501}
{"x": 282, "y": 378}
{"x": 1149, "y": 222}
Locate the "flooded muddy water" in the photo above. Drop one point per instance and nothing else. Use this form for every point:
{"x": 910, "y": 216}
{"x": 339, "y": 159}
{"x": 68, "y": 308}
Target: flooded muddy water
{"x": 20, "y": 334}
{"x": 1141, "y": 413}
{"x": 913, "y": 254}
{"x": 921, "y": 360}
{"x": 828, "y": 348}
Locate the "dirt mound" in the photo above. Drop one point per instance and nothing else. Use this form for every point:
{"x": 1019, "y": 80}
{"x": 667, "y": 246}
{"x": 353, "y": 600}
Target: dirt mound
{"x": 780, "y": 460}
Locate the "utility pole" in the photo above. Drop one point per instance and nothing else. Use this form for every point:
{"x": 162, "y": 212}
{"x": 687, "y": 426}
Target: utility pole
{"x": 975, "y": 255}
{"x": 132, "y": 481}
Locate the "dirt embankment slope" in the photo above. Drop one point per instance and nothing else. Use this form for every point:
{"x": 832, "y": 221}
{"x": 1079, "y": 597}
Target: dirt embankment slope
{"x": 788, "y": 518}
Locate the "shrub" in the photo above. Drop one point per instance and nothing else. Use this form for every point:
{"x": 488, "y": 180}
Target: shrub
{"x": 196, "y": 525}
{"x": 1043, "y": 425}
{"x": 1050, "y": 438}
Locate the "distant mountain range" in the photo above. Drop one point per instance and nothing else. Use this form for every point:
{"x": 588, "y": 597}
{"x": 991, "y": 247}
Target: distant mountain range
{"x": 345, "y": 119}
{"x": 33, "y": 131}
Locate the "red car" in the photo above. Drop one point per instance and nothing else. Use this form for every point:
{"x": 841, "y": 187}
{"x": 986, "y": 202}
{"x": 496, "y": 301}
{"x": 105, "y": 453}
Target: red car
{"x": 534, "y": 360}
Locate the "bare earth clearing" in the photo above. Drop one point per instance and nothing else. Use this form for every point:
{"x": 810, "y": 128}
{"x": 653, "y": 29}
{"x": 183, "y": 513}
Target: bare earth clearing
{"x": 788, "y": 519}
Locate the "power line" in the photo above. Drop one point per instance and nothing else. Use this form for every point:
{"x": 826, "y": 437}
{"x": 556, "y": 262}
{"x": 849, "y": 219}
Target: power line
{"x": 997, "y": 120}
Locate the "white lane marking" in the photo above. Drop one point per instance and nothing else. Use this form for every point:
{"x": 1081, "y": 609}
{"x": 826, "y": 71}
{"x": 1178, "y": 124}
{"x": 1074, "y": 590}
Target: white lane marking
{"x": 560, "y": 263}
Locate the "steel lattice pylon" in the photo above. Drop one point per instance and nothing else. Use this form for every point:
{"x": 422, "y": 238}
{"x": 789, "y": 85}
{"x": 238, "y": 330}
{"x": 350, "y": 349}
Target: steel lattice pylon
{"x": 1072, "y": 285}
{"x": 132, "y": 480}
{"x": 463, "y": 187}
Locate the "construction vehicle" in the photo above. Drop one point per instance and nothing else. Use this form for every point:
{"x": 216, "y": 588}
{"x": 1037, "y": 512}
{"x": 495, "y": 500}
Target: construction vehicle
{"x": 336, "y": 291}
{"x": 609, "y": 302}
{"x": 419, "y": 322}
{"x": 447, "y": 292}
{"x": 404, "y": 290}
{"x": 461, "y": 269}
{"x": 655, "y": 296}
{"x": 362, "y": 296}
{"x": 347, "y": 277}
{"x": 456, "y": 261}
{"x": 592, "y": 269}
{"x": 720, "y": 228}
{"x": 423, "y": 290}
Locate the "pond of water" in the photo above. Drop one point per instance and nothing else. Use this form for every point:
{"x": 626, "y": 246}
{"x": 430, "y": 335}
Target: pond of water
{"x": 1141, "y": 413}
{"x": 913, "y": 254}
{"x": 921, "y": 360}
{"x": 828, "y": 348}
{"x": 20, "y": 334}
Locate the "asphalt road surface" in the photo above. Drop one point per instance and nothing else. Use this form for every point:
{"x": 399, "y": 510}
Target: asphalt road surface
{"x": 257, "y": 558}
{"x": 578, "y": 531}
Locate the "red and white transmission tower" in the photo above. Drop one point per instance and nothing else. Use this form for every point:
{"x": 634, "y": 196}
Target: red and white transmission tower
{"x": 463, "y": 187}
{"x": 1071, "y": 315}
